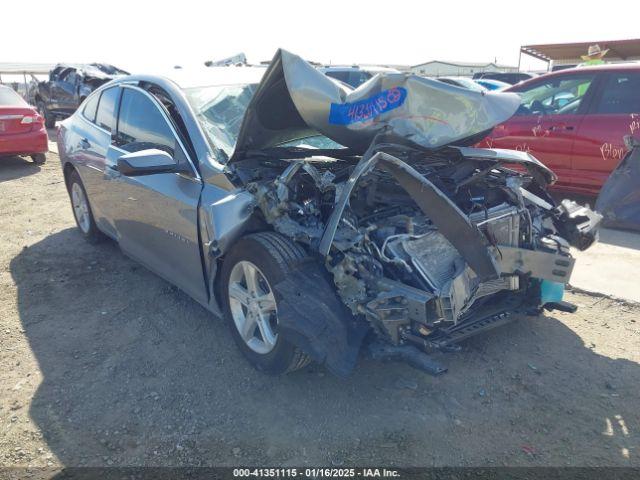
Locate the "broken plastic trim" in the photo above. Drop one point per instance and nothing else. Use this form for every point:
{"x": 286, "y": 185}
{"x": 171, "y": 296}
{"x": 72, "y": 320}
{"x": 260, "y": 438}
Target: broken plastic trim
{"x": 446, "y": 216}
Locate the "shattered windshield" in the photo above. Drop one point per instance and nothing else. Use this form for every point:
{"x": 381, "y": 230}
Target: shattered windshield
{"x": 220, "y": 110}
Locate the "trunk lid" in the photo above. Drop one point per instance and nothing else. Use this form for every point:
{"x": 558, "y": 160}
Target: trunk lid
{"x": 17, "y": 120}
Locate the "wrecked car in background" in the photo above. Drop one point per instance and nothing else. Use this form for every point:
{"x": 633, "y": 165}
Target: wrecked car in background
{"x": 619, "y": 198}
{"x": 68, "y": 86}
{"x": 322, "y": 221}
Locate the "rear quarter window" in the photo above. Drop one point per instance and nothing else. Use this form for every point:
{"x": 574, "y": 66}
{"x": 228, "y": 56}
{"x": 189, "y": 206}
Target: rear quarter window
{"x": 106, "y": 114}
{"x": 91, "y": 107}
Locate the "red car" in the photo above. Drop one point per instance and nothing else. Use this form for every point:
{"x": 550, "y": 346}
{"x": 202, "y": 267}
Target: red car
{"x": 22, "y": 130}
{"x": 574, "y": 122}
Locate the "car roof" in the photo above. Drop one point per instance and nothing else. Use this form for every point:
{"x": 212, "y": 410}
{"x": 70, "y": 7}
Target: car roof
{"x": 213, "y": 76}
{"x": 358, "y": 68}
{"x": 606, "y": 67}
{"x": 491, "y": 81}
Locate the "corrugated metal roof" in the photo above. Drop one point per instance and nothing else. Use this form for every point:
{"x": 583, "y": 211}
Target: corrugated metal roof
{"x": 618, "y": 49}
{"x": 465, "y": 64}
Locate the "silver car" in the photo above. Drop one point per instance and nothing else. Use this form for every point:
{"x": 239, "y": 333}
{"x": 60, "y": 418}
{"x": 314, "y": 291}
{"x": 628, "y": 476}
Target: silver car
{"x": 321, "y": 221}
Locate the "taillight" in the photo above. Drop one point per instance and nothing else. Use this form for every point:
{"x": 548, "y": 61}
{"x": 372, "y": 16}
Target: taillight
{"x": 29, "y": 119}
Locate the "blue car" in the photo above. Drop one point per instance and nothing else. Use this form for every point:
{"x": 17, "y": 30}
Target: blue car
{"x": 492, "y": 84}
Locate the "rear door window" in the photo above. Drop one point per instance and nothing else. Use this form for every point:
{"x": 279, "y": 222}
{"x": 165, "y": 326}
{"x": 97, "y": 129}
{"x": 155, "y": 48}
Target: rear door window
{"x": 91, "y": 107}
{"x": 142, "y": 126}
{"x": 619, "y": 95}
{"x": 106, "y": 115}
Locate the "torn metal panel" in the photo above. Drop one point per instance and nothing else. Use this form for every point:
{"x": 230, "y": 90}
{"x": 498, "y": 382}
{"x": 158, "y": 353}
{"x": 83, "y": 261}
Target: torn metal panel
{"x": 223, "y": 216}
{"x": 295, "y": 100}
{"x": 537, "y": 264}
{"x": 543, "y": 175}
{"x": 453, "y": 224}
{"x": 619, "y": 199}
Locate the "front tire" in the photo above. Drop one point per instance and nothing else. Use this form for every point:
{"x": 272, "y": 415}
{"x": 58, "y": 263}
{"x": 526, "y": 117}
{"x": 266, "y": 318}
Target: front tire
{"x": 252, "y": 268}
{"x": 82, "y": 209}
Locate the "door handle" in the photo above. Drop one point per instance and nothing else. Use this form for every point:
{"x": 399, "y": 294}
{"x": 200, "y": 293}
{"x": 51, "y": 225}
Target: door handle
{"x": 555, "y": 128}
{"x": 84, "y": 143}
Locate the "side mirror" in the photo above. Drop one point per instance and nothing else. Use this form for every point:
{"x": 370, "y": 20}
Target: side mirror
{"x": 146, "y": 162}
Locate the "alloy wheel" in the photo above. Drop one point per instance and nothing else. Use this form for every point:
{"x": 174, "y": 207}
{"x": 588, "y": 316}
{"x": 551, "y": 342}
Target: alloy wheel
{"x": 253, "y": 307}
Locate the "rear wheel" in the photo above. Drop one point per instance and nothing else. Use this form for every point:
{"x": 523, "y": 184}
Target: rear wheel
{"x": 250, "y": 271}
{"x": 39, "y": 158}
{"x": 49, "y": 119}
{"x": 82, "y": 210}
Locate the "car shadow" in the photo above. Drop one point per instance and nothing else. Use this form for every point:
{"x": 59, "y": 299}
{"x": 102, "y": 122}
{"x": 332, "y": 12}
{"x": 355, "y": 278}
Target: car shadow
{"x": 14, "y": 167}
{"x": 620, "y": 238}
{"x": 136, "y": 373}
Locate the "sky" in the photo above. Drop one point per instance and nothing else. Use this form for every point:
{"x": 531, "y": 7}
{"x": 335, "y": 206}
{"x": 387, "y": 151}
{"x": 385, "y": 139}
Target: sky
{"x": 146, "y": 36}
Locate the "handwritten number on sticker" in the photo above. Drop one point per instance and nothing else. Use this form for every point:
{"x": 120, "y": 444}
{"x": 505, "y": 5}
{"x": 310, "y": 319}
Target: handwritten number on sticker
{"x": 363, "y": 110}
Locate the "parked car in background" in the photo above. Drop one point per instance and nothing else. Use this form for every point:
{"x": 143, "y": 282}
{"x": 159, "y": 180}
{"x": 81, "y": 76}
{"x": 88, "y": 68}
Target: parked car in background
{"x": 68, "y": 86}
{"x": 22, "y": 129}
{"x": 355, "y": 76}
{"x": 508, "y": 77}
{"x": 490, "y": 84}
{"x": 394, "y": 234}
{"x": 574, "y": 121}
{"x": 463, "y": 82}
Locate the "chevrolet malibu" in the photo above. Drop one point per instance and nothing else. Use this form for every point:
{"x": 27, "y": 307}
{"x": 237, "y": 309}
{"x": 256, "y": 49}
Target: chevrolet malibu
{"x": 323, "y": 222}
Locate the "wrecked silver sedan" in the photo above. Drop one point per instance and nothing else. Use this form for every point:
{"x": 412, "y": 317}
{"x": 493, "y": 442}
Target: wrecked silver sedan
{"x": 320, "y": 221}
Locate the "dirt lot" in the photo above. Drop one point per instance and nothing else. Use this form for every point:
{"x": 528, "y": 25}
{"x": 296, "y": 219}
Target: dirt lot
{"x": 103, "y": 363}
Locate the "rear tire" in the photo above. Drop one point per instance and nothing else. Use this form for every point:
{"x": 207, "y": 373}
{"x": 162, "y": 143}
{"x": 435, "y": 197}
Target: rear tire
{"x": 49, "y": 120}
{"x": 82, "y": 209}
{"x": 39, "y": 158}
{"x": 265, "y": 258}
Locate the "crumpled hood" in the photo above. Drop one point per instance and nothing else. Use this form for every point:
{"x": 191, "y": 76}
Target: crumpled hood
{"x": 294, "y": 100}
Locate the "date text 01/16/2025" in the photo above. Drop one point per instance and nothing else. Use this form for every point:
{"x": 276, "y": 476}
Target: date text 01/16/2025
{"x": 315, "y": 472}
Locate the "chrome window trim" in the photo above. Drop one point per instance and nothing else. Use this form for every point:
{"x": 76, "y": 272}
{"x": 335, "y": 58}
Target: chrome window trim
{"x": 94, "y": 125}
{"x": 84, "y": 104}
{"x": 168, "y": 122}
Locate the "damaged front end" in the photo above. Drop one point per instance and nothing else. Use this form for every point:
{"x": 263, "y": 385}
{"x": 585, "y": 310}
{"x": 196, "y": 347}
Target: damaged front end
{"x": 426, "y": 245}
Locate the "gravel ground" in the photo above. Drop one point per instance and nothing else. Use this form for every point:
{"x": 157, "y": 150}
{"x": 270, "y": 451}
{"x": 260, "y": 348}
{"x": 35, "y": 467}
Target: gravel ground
{"x": 103, "y": 363}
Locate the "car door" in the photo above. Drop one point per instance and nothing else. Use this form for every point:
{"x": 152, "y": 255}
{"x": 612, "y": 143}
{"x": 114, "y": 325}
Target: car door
{"x": 599, "y": 145}
{"x": 91, "y": 139}
{"x": 155, "y": 216}
{"x": 547, "y": 120}
{"x": 63, "y": 91}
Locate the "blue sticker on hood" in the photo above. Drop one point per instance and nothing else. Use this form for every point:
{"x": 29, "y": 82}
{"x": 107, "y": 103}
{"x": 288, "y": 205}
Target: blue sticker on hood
{"x": 363, "y": 110}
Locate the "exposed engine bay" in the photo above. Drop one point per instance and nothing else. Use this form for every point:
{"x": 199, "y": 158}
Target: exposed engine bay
{"x": 412, "y": 272}
{"x": 426, "y": 239}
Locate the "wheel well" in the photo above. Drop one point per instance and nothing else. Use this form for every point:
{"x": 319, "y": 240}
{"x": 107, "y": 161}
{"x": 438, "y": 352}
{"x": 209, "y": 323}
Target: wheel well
{"x": 255, "y": 224}
{"x": 68, "y": 168}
